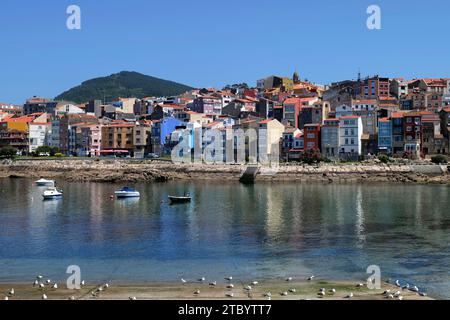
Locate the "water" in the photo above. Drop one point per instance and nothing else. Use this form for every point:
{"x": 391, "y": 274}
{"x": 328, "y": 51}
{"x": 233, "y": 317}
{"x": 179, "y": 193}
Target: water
{"x": 259, "y": 232}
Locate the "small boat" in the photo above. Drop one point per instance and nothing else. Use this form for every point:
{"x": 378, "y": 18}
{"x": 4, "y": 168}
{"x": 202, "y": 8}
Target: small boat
{"x": 52, "y": 193}
{"x": 45, "y": 183}
{"x": 127, "y": 192}
{"x": 184, "y": 199}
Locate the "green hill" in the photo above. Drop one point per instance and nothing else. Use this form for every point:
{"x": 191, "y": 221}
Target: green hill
{"x": 125, "y": 85}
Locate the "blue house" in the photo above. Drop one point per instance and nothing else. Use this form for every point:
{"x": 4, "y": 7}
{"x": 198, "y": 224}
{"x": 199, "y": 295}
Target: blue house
{"x": 161, "y": 132}
{"x": 385, "y": 136}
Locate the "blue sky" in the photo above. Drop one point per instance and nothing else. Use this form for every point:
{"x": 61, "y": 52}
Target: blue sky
{"x": 214, "y": 43}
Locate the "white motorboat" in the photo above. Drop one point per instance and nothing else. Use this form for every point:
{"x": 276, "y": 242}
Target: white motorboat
{"x": 127, "y": 192}
{"x": 45, "y": 183}
{"x": 52, "y": 193}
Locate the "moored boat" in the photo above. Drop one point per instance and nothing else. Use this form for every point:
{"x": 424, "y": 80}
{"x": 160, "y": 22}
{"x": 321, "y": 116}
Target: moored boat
{"x": 52, "y": 193}
{"x": 45, "y": 183}
{"x": 184, "y": 199}
{"x": 127, "y": 192}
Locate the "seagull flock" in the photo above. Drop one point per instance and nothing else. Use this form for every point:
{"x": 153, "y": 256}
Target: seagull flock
{"x": 48, "y": 286}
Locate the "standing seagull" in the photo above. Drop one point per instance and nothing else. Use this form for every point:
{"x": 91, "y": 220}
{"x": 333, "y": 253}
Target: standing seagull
{"x": 44, "y": 297}
{"x": 229, "y": 278}
{"x": 11, "y": 292}
{"x": 55, "y": 286}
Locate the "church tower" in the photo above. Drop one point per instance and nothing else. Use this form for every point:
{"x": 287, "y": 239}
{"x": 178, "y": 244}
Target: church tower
{"x": 296, "y": 77}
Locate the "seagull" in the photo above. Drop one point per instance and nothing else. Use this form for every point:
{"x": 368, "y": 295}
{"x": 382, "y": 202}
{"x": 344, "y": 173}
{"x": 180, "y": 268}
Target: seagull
{"x": 415, "y": 289}
{"x": 213, "y": 284}
{"x": 183, "y": 281}
{"x": 11, "y": 292}
{"x": 254, "y": 283}
{"x": 55, "y": 286}
{"x": 400, "y": 297}
{"x": 284, "y": 294}
{"x": 289, "y": 279}
{"x": 82, "y": 283}
{"x": 229, "y": 278}
{"x": 197, "y": 292}
{"x": 229, "y": 295}
{"x": 202, "y": 279}
{"x": 248, "y": 288}
{"x": 106, "y": 286}
{"x": 39, "y": 277}
{"x": 321, "y": 293}
{"x": 390, "y": 296}
{"x": 230, "y": 286}
{"x": 6, "y": 298}
{"x": 423, "y": 294}
{"x": 132, "y": 298}
{"x": 360, "y": 285}
{"x": 397, "y": 283}
{"x": 397, "y": 294}
{"x": 311, "y": 278}
{"x": 36, "y": 283}
{"x": 406, "y": 287}
{"x": 386, "y": 292}
{"x": 44, "y": 297}
{"x": 322, "y": 290}
{"x": 350, "y": 295}
{"x": 333, "y": 290}
{"x": 48, "y": 281}
{"x": 41, "y": 285}
{"x": 292, "y": 290}
{"x": 267, "y": 294}
{"x": 72, "y": 298}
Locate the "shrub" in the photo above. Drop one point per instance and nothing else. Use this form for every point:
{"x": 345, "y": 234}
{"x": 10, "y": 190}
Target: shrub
{"x": 311, "y": 156}
{"x": 383, "y": 158}
{"x": 59, "y": 155}
{"x": 439, "y": 159}
{"x": 8, "y": 152}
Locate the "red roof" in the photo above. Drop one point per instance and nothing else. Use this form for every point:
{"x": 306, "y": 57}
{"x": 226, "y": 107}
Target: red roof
{"x": 350, "y": 117}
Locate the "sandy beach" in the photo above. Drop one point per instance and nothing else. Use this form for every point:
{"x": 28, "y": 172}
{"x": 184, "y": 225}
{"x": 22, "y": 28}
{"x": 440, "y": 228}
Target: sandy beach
{"x": 280, "y": 290}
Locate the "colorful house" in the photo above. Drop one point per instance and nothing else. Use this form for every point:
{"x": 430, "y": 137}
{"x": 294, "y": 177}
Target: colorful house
{"x": 385, "y": 136}
{"x": 312, "y": 139}
{"x": 350, "y": 133}
{"x": 161, "y": 134}
{"x": 330, "y": 138}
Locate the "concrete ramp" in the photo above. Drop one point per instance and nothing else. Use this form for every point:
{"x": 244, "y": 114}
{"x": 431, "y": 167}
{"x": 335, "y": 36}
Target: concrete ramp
{"x": 429, "y": 169}
{"x": 249, "y": 175}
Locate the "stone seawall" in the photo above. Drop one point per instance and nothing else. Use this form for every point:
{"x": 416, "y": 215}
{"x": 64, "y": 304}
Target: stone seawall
{"x": 159, "y": 171}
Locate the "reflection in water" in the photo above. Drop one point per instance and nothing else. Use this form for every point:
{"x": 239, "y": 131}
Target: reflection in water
{"x": 360, "y": 218}
{"x": 259, "y": 231}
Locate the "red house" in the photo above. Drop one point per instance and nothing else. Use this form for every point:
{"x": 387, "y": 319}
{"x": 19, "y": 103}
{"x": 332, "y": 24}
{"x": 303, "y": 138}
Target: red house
{"x": 312, "y": 137}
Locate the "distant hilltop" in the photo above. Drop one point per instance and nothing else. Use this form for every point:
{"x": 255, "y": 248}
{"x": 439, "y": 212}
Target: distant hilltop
{"x": 122, "y": 84}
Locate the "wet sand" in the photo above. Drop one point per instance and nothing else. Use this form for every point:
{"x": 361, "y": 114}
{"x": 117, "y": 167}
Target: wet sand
{"x": 187, "y": 291}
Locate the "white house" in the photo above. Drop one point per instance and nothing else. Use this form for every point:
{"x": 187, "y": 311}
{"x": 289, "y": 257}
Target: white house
{"x": 38, "y": 135}
{"x": 343, "y": 111}
{"x": 350, "y": 133}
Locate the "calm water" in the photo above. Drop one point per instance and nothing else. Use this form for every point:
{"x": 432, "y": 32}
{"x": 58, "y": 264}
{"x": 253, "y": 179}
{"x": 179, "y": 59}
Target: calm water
{"x": 251, "y": 232}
